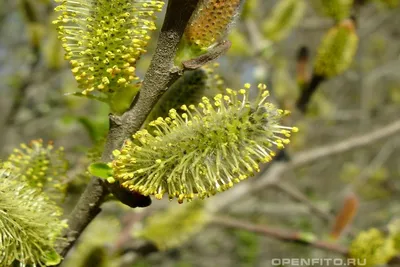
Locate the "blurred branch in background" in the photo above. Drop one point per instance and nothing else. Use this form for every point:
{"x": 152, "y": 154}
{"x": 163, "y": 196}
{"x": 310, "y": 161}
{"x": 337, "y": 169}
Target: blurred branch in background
{"x": 272, "y": 174}
{"x": 304, "y": 239}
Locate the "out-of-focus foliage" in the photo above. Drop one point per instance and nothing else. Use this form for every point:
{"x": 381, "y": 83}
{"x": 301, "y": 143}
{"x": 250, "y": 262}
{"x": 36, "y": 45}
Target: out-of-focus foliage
{"x": 174, "y": 226}
{"x": 336, "y": 9}
{"x": 93, "y": 247}
{"x": 285, "y": 15}
{"x": 373, "y": 248}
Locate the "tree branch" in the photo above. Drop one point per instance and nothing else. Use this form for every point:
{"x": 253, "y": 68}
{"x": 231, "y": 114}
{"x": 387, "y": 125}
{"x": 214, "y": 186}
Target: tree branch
{"x": 212, "y": 54}
{"x": 289, "y": 236}
{"x": 298, "y": 196}
{"x": 274, "y": 171}
{"x": 280, "y": 234}
{"x": 160, "y": 75}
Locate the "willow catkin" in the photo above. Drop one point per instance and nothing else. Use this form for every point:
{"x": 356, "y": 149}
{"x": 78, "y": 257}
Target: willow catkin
{"x": 372, "y": 248}
{"x": 205, "y": 150}
{"x": 337, "y": 50}
{"x": 30, "y": 223}
{"x": 103, "y": 40}
{"x": 41, "y": 166}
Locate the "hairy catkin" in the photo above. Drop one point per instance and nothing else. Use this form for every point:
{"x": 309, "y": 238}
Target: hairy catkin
{"x": 204, "y": 150}
{"x": 103, "y": 40}
{"x": 337, "y": 50}
{"x": 30, "y": 223}
{"x": 41, "y": 166}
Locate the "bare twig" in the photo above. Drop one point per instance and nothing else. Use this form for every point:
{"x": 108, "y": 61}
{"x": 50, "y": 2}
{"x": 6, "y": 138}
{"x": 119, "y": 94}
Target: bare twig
{"x": 214, "y": 53}
{"x": 275, "y": 171}
{"x": 346, "y": 145}
{"x": 289, "y": 236}
{"x": 297, "y": 195}
{"x": 280, "y": 234}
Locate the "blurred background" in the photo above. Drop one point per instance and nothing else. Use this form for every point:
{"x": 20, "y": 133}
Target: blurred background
{"x": 339, "y": 176}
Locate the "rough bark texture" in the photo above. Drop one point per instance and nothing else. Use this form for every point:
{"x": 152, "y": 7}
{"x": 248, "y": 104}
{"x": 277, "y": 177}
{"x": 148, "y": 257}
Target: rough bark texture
{"x": 161, "y": 74}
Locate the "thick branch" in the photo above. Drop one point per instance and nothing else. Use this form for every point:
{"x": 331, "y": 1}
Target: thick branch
{"x": 160, "y": 75}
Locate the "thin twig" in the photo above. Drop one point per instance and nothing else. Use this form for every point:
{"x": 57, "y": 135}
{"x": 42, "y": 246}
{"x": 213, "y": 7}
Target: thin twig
{"x": 280, "y": 234}
{"x": 215, "y": 52}
{"x": 297, "y": 195}
{"x": 289, "y": 236}
{"x": 275, "y": 171}
{"x": 346, "y": 145}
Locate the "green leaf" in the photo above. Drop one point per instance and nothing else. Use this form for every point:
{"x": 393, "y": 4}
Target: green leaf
{"x": 52, "y": 258}
{"x": 101, "y": 170}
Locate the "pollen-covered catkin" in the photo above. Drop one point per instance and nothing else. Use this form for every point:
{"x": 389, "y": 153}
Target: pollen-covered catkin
{"x": 103, "y": 40}
{"x": 30, "y": 223}
{"x": 206, "y": 149}
{"x": 189, "y": 89}
{"x": 41, "y": 166}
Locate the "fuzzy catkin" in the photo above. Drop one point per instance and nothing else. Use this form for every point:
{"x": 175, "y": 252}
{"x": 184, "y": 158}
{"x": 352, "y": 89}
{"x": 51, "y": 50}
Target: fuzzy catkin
{"x": 30, "y": 223}
{"x": 103, "y": 40}
{"x": 188, "y": 89}
{"x": 41, "y": 166}
{"x": 372, "y": 248}
{"x": 205, "y": 150}
{"x": 337, "y": 50}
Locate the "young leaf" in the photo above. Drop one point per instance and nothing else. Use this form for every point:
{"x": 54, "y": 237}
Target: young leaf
{"x": 101, "y": 170}
{"x": 52, "y": 258}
